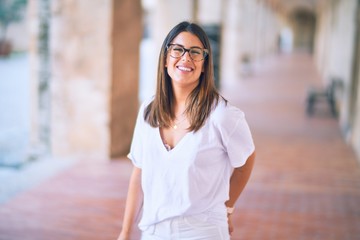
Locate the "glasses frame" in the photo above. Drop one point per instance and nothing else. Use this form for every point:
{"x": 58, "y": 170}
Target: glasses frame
{"x": 205, "y": 51}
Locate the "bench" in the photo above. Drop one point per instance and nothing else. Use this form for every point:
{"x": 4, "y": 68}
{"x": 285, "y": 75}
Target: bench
{"x": 327, "y": 95}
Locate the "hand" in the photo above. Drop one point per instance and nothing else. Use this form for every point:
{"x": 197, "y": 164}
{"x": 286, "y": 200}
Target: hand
{"x": 231, "y": 226}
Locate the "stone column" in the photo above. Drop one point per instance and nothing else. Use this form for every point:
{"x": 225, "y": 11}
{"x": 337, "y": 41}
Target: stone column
{"x": 40, "y": 77}
{"x": 355, "y": 104}
{"x": 126, "y": 36}
{"x": 209, "y": 16}
{"x": 230, "y": 43}
{"x": 33, "y": 60}
{"x": 93, "y": 58}
{"x": 167, "y": 13}
{"x": 250, "y": 31}
{"x": 81, "y": 65}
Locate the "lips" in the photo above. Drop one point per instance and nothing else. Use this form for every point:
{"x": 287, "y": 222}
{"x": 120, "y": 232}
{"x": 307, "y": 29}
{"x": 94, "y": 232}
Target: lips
{"x": 185, "y": 69}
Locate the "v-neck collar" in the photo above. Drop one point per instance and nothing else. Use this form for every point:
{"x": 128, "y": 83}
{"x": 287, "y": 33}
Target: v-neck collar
{"x": 178, "y": 144}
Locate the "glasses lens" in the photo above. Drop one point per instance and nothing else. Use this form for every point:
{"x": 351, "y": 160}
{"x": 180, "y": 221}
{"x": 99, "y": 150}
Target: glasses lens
{"x": 176, "y": 51}
{"x": 197, "y": 54}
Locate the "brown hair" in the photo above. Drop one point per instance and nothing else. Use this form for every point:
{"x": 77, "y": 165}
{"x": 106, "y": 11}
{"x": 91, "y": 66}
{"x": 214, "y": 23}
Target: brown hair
{"x": 200, "y": 102}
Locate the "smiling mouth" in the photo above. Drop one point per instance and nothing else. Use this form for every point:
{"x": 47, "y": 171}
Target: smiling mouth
{"x": 185, "y": 69}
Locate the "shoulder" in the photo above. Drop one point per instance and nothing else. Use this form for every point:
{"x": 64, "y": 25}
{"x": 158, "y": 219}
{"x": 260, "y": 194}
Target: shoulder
{"x": 141, "y": 111}
{"x": 226, "y": 114}
{"x": 231, "y": 125}
{"x": 144, "y": 104}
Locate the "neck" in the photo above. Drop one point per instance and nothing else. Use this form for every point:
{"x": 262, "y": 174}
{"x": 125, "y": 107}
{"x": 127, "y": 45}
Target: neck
{"x": 181, "y": 93}
{"x": 180, "y": 98}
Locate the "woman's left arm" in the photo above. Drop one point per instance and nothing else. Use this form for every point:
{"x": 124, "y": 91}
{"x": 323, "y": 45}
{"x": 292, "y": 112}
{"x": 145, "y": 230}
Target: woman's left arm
{"x": 238, "y": 181}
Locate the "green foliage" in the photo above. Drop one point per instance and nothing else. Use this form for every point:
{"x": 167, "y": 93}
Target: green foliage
{"x": 10, "y": 11}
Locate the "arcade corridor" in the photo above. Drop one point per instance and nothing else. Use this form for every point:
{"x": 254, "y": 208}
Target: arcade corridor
{"x": 305, "y": 184}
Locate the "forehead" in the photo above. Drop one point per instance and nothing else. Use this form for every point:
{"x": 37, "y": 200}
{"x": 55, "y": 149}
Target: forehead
{"x": 187, "y": 40}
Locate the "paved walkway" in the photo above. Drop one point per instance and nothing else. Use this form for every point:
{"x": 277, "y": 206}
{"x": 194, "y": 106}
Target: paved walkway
{"x": 305, "y": 184}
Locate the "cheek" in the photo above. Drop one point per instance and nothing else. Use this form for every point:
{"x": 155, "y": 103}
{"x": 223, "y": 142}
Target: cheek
{"x": 167, "y": 61}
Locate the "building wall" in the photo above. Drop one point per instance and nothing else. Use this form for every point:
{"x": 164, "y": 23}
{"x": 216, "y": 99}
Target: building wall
{"x": 334, "y": 53}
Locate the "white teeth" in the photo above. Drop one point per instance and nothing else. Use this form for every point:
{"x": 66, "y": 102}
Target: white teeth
{"x": 184, "y": 69}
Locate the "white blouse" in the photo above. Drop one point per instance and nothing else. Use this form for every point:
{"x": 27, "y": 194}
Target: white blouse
{"x": 193, "y": 177}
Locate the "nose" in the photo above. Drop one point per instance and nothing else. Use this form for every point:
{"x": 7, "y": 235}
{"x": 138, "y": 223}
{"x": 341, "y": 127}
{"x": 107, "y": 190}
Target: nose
{"x": 186, "y": 56}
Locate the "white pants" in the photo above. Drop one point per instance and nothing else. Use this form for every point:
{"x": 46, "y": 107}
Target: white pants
{"x": 186, "y": 228}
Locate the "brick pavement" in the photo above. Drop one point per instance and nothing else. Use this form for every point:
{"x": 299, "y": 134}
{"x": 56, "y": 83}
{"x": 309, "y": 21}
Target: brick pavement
{"x": 306, "y": 180}
{"x": 305, "y": 184}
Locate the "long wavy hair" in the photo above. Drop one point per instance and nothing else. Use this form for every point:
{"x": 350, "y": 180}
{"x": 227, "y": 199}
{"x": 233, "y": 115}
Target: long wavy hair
{"x": 200, "y": 102}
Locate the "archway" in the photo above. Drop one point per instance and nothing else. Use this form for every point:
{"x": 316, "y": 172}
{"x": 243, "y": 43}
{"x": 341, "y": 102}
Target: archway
{"x": 303, "y": 23}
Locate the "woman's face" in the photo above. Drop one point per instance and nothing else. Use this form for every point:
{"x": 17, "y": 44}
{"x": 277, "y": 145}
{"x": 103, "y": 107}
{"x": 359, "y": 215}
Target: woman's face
{"x": 184, "y": 71}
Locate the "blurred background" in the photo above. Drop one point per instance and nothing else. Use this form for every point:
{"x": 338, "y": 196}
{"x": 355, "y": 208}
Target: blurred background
{"x": 73, "y": 73}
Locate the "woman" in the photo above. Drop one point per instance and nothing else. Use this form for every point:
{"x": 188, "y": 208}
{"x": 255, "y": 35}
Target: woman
{"x": 192, "y": 151}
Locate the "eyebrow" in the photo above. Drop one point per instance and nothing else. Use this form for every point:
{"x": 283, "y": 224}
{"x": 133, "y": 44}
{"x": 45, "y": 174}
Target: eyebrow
{"x": 184, "y": 46}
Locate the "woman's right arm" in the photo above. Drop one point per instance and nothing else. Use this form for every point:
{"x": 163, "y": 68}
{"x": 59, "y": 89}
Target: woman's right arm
{"x": 133, "y": 204}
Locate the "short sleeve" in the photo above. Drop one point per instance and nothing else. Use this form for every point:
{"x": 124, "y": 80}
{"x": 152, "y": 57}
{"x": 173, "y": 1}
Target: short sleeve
{"x": 136, "y": 151}
{"x": 240, "y": 144}
{"x": 235, "y": 134}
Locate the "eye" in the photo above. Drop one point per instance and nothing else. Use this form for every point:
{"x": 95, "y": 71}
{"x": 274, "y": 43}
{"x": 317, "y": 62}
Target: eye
{"x": 196, "y": 51}
{"x": 178, "y": 49}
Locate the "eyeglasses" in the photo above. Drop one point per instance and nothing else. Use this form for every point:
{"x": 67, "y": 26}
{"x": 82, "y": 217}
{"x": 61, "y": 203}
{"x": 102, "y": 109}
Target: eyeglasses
{"x": 197, "y": 54}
